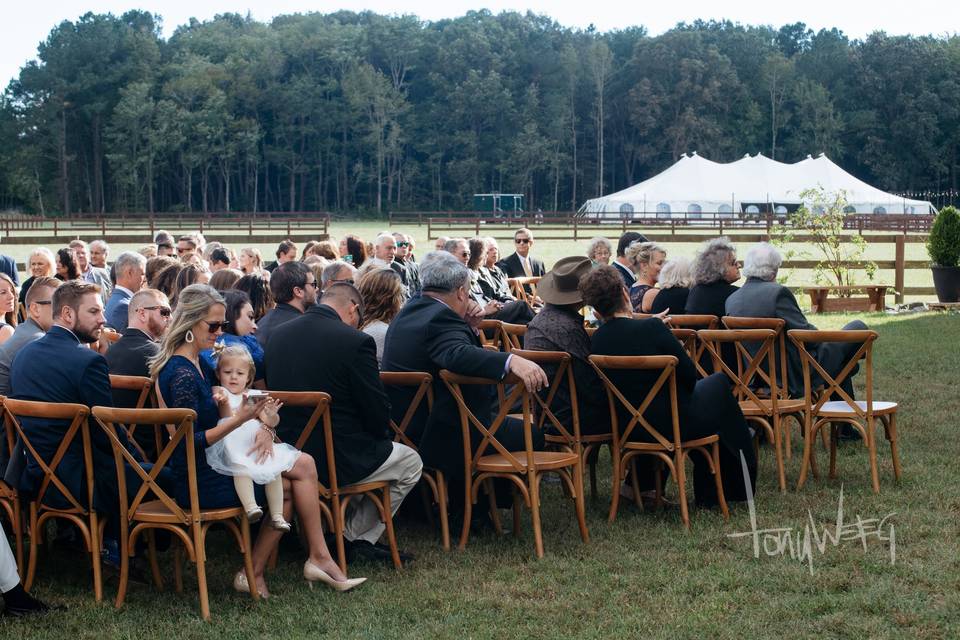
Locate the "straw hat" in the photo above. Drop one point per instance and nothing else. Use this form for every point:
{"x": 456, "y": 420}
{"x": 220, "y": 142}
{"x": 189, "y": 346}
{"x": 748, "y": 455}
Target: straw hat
{"x": 560, "y": 284}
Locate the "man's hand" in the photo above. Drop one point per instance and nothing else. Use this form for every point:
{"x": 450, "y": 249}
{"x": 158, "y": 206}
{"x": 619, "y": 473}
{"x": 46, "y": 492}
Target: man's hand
{"x": 492, "y": 307}
{"x": 262, "y": 449}
{"x": 530, "y": 373}
{"x": 474, "y": 314}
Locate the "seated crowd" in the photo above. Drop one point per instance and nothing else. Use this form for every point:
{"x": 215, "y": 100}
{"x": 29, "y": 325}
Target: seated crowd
{"x": 208, "y": 323}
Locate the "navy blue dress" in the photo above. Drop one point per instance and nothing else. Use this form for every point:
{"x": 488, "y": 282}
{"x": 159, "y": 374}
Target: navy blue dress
{"x": 183, "y": 387}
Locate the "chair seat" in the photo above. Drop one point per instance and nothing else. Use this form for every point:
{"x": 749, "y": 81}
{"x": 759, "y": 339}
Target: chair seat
{"x": 499, "y": 463}
{"x": 584, "y": 439}
{"x": 656, "y": 446}
{"x": 157, "y": 511}
{"x": 356, "y": 489}
{"x": 840, "y": 409}
{"x": 765, "y": 405}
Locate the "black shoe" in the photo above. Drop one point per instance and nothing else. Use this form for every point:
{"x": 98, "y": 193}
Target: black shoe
{"x": 378, "y": 552}
{"x": 846, "y": 433}
{"x": 27, "y": 605}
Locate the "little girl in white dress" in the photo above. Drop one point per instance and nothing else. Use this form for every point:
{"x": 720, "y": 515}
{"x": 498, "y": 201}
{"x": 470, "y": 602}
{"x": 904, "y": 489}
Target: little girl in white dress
{"x": 231, "y": 455}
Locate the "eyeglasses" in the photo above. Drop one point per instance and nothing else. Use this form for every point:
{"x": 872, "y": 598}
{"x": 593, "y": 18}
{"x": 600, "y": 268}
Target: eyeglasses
{"x": 184, "y": 249}
{"x": 216, "y": 326}
{"x": 311, "y": 284}
{"x": 164, "y": 311}
{"x": 42, "y": 302}
{"x": 347, "y": 281}
{"x": 359, "y": 315}
{"x": 523, "y": 241}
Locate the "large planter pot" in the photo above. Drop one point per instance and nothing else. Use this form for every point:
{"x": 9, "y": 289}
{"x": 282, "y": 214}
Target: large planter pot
{"x": 946, "y": 280}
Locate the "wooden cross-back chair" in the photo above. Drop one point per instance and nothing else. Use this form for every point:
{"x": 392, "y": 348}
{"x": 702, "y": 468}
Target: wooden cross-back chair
{"x": 586, "y": 445}
{"x": 10, "y": 499}
{"x": 524, "y": 288}
{"x": 433, "y": 478}
{"x": 862, "y": 415}
{"x": 680, "y": 325}
{"x": 523, "y": 468}
{"x": 150, "y": 507}
{"x": 146, "y": 399}
{"x": 670, "y": 450}
{"x": 80, "y": 511}
{"x": 755, "y": 367}
{"x": 514, "y": 334}
{"x": 786, "y": 402}
{"x": 492, "y": 336}
{"x": 334, "y": 499}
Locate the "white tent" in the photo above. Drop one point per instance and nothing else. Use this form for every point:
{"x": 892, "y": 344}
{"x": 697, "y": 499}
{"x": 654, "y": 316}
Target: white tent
{"x": 695, "y": 185}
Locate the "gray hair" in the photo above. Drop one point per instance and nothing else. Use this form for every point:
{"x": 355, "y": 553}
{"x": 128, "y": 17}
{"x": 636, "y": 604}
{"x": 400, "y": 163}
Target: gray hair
{"x": 331, "y": 271}
{"x": 451, "y": 244}
{"x": 127, "y": 260}
{"x": 47, "y": 255}
{"x": 595, "y": 244}
{"x": 762, "y": 261}
{"x": 384, "y": 236}
{"x": 440, "y": 271}
{"x": 675, "y": 273}
{"x": 710, "y": 265}
{"x": 100, "y": 244}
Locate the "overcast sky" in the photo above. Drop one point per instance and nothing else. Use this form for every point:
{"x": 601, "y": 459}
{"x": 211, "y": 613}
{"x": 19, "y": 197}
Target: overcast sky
{"x": 26, "y": 24}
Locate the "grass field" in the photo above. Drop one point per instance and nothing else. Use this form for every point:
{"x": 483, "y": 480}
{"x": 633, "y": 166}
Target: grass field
{"x": 642, "y": 576}
{"x": 552, "y": 250}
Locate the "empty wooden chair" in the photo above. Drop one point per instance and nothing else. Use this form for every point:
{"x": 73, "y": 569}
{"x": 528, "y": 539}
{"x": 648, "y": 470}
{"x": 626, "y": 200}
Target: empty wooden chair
{"x": 433, "y": 478}
{"x": 151, "y": 508}
{"x": 334, "y": 498}
{"x": 10, "y": 500}
{"x": 492, "y": 460}
{"x": 862, "y": 415}
{"x": 755, "y": 367}
{"x": 671, "y": 451}
{"x": 146, "y": 398}
{"x": 524, "y": 288}
{"x": 79, "y": 510}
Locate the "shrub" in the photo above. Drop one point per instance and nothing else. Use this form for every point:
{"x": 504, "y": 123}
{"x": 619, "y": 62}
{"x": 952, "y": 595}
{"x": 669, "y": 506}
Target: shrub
{"x": 943, "y": 245}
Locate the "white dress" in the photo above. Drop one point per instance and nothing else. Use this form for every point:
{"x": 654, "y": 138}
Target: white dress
{"x": 229, "y": 455}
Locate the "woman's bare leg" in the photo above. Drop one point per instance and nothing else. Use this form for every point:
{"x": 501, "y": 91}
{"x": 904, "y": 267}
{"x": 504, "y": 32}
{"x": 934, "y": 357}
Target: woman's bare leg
{"x": 303, "y": 487}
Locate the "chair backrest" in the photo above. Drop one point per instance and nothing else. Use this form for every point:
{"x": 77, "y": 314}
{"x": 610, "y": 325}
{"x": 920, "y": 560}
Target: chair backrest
{"x": 320, "y": 403}
{"x": 424, "y": 384}
{"x": 514, "y": 334}
{"x": 524, "y": 288}
{"x": 694, "y": 321}
{"x": 145, "y": 399}
{"x": 563, "y": 375}
{"x": 776, "y": 324}
{"x": 801, "y": 338}
{"x": 469, "y": 421}
{"x": 688, "y": 338}
{"x": 76, "y": 415}
{"x": 755, "y": 362}
{"x": 667, "y": 366}
{"x": 181, "y": 421}
{"x": 491, "y": 334}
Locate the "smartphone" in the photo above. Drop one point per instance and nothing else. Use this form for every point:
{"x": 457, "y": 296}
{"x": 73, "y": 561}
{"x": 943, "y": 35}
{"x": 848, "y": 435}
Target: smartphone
{"x": 348, "y": 258}
{"x": 254, "y": 394}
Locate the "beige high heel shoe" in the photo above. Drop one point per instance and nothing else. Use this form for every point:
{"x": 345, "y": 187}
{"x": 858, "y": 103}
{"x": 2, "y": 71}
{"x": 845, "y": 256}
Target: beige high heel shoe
{"x": 313, "y": 573}
{"x": 240, "y": 584}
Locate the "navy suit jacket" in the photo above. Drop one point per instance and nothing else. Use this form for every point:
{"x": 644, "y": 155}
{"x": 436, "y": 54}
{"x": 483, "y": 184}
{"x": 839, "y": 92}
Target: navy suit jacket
{"x": 428, "y": 336}
{"x": 117, "y": 307}
{"x": 58, "y": 368}
{"x": 9, "y": 266}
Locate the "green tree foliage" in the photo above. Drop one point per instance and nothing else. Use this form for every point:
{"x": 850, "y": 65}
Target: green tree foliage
{"x": 359, "y": 111}
{"x": 943, "y": 245}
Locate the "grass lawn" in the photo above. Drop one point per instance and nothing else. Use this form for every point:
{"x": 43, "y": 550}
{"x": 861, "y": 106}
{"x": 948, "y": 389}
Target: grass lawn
{"x": 642, "y": 576}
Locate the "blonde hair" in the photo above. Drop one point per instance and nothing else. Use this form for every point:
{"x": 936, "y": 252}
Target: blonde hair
{"x": 643, "y": 252}
{"x": 676, "y": 273}
{"x": 253, "y": 253}
{"x": 239, "y": 352}
{"x": 192, "y": 306}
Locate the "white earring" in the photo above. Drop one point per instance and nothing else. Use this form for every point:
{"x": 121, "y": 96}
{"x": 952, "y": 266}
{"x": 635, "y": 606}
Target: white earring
{"x": 189, "y": 336}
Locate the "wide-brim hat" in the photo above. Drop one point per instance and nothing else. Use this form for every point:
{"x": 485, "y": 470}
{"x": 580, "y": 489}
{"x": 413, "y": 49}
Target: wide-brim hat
{"x": 560, "y": 285}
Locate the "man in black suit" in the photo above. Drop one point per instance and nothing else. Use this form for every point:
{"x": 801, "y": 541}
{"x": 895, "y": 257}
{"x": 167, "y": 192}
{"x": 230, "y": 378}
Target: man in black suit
{"x": 520, "y": 263}
{"x": 322, "y": 350}
{"x": 405, "y": 265}
{"x": 438, "y": 331}
{"x": 294, "y": 288}
{"x": 147, "y": 320}
{"x": 620, "y": 262}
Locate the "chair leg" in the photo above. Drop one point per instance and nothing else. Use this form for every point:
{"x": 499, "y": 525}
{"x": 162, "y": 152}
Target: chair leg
{"x": 467, "y": 512}
{"x": 178, "y": 565}
{"x": 778, "y": 452}
{"x": 95, "y": 556}
{"x": 248, "y": 557}
{"x": 492, "y": 505}
{"x": 833, "y": 449}
{"x": 18, "y": 534}
{"x": 718, "y": 479}
{"x": 516, "y": 512}
{"x": 444, "y": 516}
{"x": 579, "y": 503}
{"x": 338, "y": 525}
{"x": 591, "y": 459}
{"x": 35, "y": 536}
{"x": 807, "y": 450}
{"x": 635, "y": 484}
{"x": 154, "y": 564}
{"x": 387, "y": 516}
{"x": 890, "y": 424}
{"x": 534, "y": 486}
{"x": 681, "y": 477}
{"x": 615, "y": 491}
{"x": 872, "y": 450}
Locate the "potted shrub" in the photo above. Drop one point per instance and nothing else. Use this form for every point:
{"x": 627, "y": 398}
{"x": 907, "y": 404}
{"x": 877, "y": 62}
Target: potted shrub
{"x": 943, "y": 245}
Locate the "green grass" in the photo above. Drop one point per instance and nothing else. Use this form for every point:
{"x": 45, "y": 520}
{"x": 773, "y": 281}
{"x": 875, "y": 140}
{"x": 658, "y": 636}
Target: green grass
{"x": 642, "y": 576}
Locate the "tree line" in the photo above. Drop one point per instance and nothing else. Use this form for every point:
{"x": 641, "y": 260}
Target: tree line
{"x": 367, "y": 113}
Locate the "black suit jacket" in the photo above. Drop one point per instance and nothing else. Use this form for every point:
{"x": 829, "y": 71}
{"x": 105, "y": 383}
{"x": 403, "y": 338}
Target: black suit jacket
{"x": 318, "y": 352}
{"x": 279, "y": 315}
{"x": 128, "y": 357}
{"x": 513, "y": 267}
{"x": 428, "y": 336}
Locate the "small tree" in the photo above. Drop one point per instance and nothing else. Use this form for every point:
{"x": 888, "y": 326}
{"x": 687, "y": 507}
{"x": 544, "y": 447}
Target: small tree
{"x": 821, "y": 217}
{"x": 943, "y": 245}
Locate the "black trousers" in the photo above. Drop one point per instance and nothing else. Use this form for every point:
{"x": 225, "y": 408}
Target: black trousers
{"x": 833, "y": 357}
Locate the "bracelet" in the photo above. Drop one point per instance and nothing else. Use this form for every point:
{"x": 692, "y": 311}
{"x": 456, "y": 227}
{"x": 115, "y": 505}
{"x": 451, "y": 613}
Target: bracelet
{"x": 272, "y": 432}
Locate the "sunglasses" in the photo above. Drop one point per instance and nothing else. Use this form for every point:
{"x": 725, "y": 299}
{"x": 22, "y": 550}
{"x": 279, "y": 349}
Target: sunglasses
{"x": 42, "y": 302}
{"x": 164, "y": 311}
{"x": 216, "y": 326}
{"x": 403, "y": 244}
{"x": 184, "y": 250}
{"x": 523, "y": 241}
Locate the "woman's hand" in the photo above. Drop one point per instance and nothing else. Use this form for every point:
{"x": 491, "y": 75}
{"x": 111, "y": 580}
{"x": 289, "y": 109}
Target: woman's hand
{"x": 262, "y": 449}
{"x": 249, "y": 410}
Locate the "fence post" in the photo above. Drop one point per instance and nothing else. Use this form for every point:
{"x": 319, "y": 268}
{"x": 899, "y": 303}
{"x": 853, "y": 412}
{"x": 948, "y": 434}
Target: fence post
{"x": 250, "y": 226}
{"x": 899, "y": 268}
{"x": 152, "y": 233}
{"x": 574, "y": 229}
{"x": 103, "y": 227}
{"x": 56, "y": 224}
{"x": 288, "y": 228}
{"x": 201, "y": 224}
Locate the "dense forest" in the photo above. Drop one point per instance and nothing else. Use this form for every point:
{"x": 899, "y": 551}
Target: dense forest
{"x": 369, "y": 113}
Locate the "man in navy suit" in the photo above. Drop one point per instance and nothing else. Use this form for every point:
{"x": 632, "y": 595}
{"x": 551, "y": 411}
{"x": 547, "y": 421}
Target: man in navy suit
{"x": 129, "y": 268}
{"x": 59, "y": 367}
{"x": 9, "y": 266}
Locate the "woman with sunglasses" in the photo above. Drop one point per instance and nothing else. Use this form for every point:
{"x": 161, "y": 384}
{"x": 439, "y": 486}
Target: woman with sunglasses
{"x": 185, "y": 382}
{"x": 240, "y": 328}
